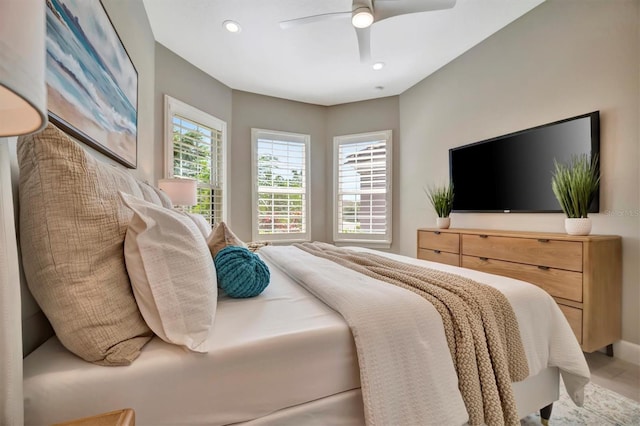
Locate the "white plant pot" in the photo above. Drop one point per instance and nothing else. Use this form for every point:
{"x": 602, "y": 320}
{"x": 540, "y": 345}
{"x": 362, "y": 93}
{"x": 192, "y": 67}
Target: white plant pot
{"x": 578, "y": 225}
{"x": 443, "y": 222}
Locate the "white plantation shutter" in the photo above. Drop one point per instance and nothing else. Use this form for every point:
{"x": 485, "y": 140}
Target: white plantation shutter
{"x": 281, "y": 184}
{"x": 362, "y": 188}
{"x": 196, "y": 150}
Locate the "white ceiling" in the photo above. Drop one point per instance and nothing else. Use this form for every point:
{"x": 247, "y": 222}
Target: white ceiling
{"x": 319, "y": 63}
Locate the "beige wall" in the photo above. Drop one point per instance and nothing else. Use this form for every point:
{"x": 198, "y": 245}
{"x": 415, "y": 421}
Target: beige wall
{"x": 362, "y": 117}
{"x": 322, "y": 123}
{"x": 264, "y": 112}
{"x": 183, "y": 81}
{"x": 564, "y": 58}
{"x": 130, "y": 21}
{"x": 241, "y": 111}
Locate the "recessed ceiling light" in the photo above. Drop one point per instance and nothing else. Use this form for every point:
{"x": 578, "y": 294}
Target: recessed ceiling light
{"x": 362, "y": 17}
{"x": 378, "y": 66}
{"x": 231, "y": 26}
{"x": 379, "y": 87}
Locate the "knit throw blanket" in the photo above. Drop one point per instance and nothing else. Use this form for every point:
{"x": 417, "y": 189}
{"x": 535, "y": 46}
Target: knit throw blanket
{"x": 480, "y": 327}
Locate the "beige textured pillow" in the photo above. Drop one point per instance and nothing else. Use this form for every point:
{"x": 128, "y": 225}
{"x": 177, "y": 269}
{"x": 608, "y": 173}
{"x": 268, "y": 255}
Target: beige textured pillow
{"x": 221, "y": 237}
{"x": 172, "y": 274}
{"x": 72, "y": 228}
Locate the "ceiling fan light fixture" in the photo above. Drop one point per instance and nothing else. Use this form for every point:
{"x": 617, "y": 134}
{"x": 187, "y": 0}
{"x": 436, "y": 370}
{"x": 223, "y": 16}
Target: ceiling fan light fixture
{"x": 232, "y": 26}
{"x": 362, "y": 17}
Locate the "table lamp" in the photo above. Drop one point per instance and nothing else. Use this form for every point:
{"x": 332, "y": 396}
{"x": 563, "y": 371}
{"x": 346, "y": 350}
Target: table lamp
{"x": 23, "y": 109}
{"x": 181, "y": 192}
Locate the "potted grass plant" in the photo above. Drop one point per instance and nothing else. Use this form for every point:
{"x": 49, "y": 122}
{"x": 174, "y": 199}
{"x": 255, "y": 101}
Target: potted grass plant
{"x": 575, "y": 184}
{"x": 441, "y": 198}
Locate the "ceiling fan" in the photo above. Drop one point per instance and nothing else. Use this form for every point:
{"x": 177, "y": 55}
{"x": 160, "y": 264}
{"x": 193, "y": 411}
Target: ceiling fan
{"x": 364, "y": 13}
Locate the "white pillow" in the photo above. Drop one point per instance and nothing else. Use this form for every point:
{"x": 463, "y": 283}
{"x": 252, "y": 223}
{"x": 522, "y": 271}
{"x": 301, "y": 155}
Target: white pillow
{"x": 172, "y": 274}
{"x": 202, "y": 224}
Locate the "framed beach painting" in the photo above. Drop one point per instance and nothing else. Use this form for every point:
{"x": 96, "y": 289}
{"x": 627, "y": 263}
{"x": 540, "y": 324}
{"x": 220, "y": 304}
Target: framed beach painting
{"x": 92, "y": 85}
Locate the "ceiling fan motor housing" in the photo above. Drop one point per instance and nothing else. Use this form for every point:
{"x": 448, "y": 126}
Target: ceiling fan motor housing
{"x": 362, "y": 17}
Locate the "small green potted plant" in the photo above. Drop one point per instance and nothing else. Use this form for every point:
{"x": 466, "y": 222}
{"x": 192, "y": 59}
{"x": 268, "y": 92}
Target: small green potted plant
{"x": 575, "y": 184}
{"x": 441, "y": 198}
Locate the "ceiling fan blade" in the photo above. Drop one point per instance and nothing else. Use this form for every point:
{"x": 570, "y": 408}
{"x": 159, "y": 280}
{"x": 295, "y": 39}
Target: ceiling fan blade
{"x": 383, "y": 9}
{"x": 315, "y": 18}
{"x": 364, "y": 43}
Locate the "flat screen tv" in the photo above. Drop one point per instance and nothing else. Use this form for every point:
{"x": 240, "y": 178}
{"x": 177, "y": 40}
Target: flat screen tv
{"x": 512, "y": 173}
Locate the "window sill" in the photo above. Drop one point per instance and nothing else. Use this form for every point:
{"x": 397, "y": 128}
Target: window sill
{"x": 282, "y": 242}
{"x": 364, "y": 243}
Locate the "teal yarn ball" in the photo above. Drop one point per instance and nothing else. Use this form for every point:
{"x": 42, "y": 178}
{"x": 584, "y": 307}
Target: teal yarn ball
{"x": 241, "y": 273}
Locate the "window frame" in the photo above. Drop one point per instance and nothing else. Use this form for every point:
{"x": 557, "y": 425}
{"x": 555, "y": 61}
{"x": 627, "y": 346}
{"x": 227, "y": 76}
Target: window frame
{"x": 283, "y": 136}
{"x": 172, "y": 107}
{"x": 364, "y": 239}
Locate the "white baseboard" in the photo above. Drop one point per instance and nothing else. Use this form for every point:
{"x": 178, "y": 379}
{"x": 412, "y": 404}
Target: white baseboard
{"x": 627, "y": 351}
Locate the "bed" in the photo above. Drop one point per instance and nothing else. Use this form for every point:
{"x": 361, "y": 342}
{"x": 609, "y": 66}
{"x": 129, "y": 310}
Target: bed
{"x": 283, "y": 357}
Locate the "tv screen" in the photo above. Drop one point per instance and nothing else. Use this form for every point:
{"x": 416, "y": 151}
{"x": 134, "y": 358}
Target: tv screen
{"x": 512, "y": 173}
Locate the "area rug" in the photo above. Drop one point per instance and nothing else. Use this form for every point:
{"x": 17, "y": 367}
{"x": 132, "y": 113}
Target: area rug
{"x": 602, "y": 407}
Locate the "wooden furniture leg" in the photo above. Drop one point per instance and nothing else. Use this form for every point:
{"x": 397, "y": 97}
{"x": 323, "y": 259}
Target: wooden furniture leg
{"x": 610, "y": 350}
{"x": 545, "y": 414}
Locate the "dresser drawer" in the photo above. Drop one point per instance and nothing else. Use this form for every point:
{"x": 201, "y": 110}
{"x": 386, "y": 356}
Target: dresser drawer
{"x": 439, "y": 241}
{"x": 552, "y": 253}
{"x": 574, "y": 316}
{"x": 439, "y": 256}
{"x": 556, "y": 282}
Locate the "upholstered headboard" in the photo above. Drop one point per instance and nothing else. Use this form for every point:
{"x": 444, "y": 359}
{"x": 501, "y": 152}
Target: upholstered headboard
{"x": 35, "y": 326}
{"x": 14, "y": 296}
{"x": 24, "y": 326}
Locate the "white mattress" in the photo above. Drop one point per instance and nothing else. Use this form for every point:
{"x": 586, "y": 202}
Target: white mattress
{"x": 280, "y": 349}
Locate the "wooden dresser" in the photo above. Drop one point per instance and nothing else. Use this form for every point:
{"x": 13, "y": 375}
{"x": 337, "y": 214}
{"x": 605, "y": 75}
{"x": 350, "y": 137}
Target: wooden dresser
{"x": 583, "y": 274}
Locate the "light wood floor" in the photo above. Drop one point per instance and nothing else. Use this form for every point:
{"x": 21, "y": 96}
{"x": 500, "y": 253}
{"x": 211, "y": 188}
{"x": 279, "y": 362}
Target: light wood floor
{"x": 612, "y": 373}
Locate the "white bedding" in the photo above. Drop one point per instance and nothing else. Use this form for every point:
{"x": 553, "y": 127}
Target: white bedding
{"x": 400, "y": 390}
{"x": 277, "y": 350}
{"x": 406, "y": 370}
{"x": 546, "y": 335}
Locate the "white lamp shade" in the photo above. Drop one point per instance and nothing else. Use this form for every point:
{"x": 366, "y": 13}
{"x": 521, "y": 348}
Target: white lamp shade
{"x": 182, "y": 192}
{"x": 23, "y": 100}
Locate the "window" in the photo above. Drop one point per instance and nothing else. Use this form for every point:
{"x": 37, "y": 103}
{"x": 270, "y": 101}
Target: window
{"x": 281, "y": 186}
{"x": 362, "y": 189}
{"x": 195, "y": 147}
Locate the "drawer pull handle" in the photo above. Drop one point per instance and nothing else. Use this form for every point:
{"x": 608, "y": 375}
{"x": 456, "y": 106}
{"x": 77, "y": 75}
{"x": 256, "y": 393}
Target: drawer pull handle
{"x": 544, "y": 268}
{"x": 543, "y": 240}
{"x": 484, "y": 258}
{"x": 436, "y": 251}
{"x": 483, "y": 236}
{"x": 436, "y": 232}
